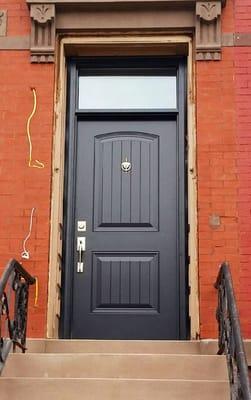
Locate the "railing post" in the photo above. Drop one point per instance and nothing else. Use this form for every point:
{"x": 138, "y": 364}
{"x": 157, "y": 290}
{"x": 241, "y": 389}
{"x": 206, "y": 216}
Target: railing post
{"x": 230, "y": 338}
{"x": 19, "y": 280}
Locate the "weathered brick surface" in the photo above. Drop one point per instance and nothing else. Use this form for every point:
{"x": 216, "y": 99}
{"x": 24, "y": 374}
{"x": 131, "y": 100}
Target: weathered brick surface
{"x": 242, "y": 59}
{"x": 228, "y": 22}
{"x": 22, "y": 187}
{"x": 217, "y": 179}
{"x": 242, "y": 64}
{"x": 223, "y": 158}
{"x": 224, "y": 150}
{"x": 18, "y": 17}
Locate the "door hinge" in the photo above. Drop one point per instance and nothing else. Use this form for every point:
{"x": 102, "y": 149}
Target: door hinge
{"x": 60, "y": 262}
{"x": 188, "y": 260}
{"x": 60, "y": 231}
{"x": 59, "y": 291}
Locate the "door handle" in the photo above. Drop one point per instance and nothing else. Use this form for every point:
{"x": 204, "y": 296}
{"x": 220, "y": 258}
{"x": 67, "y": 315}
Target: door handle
{"x": 81, "y": 246}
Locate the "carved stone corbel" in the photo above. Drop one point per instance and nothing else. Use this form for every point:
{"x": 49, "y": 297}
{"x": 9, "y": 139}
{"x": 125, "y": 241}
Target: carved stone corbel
{"x": 208, "y": 30}
{"x": 43, "y": 33}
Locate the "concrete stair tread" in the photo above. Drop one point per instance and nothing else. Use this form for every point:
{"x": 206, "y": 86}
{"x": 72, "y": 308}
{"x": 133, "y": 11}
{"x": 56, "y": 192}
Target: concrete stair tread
{"x": 121, "y": 346}
{"x": 60, "y": 379}
{"x": 107, "y": 389}
{"x": 112, "y": 369}
{"x": 112, "y": 354}
{"x": 117, "y": 366}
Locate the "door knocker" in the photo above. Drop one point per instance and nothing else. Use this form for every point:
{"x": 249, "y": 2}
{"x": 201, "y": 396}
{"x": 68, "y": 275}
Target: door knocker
{"x": 126, "y": 166}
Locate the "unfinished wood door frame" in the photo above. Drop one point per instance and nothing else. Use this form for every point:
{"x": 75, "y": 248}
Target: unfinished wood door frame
{"x": 112, "y": 44}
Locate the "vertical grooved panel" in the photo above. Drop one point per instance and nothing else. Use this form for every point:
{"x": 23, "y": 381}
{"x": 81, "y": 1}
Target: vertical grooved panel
{"x": 126, "y": 200}
{"x": 125, "y": 280}
{"x": 135, "y": 178}
{"x": 116, "y": 182}
{"x": 104, "y": 277}
{"x": 134, "y": 282}
{"x": 126, "y": 178}
{"x": 107, "y": 181}
{"x": 144, "y": 183}
{"x": 115, "y": 282}
{"x": 144, "y": 284}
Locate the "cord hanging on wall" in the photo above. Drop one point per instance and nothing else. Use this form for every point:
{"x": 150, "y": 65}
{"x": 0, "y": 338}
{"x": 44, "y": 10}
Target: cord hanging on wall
{"x": 25, "y": 253}
{"x": 33, "y": 163}
{"x": 36, "y": 292}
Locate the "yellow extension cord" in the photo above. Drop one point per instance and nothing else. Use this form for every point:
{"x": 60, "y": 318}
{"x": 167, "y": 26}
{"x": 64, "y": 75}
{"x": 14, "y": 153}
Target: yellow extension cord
{"x": 36, "y": 291}
{"x": 35, "y": 163}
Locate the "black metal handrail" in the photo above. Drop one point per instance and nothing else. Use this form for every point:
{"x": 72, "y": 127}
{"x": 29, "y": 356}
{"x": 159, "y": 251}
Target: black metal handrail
{"x": 15, "y": 281}
{"x": 230, "y": 338}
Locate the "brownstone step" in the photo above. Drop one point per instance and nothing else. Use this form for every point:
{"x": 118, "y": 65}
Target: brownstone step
{"x": 122, "y": 346}
{"x": 111, "y": 389}
{"x": 127, "y": 366}
{"x": 116, "y": 370}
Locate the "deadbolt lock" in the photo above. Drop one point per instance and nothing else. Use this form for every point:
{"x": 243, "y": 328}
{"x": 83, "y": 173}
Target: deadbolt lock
{"x": 81, "y": 226}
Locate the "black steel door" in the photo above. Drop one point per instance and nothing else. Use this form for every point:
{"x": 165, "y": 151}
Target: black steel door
{"x": 128, "y": 281}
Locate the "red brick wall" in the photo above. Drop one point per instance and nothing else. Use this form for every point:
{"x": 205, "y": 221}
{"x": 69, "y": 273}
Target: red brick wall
{"x": 223, "y": 156}
{"x": 217, "y": 179}
{"x": 242, "y": 69}
{"x": 224, "y": 179}
{"x": 18, "y": 17}
{"x": 22, "y": 187}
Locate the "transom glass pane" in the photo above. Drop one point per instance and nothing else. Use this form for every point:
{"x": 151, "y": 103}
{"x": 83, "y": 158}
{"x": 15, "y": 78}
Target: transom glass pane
{"x": 127, "y": 92}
